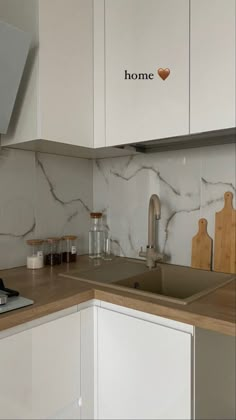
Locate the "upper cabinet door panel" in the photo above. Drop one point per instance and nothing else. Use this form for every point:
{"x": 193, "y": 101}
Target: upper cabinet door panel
{"x": 142, "y": 36}
{"x": 212, "y": 65}
{"x": 66, "y": 71}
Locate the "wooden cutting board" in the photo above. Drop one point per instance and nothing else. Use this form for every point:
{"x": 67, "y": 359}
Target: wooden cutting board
{"x": 202, "y": 247}
{"x": 225, "y": 237}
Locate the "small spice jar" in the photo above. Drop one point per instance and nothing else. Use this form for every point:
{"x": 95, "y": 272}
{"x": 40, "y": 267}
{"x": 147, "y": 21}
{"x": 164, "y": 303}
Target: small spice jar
{"x": 35, "y": 258}
{"x": 53, "y": 252}
{"x": 69, "y": 248}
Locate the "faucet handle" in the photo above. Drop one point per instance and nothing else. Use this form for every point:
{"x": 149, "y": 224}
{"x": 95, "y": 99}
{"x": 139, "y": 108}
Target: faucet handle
{"x": 159, "y": 257}
{"x": 142, "y": 253}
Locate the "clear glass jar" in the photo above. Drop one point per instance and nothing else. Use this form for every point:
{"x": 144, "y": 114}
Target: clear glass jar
{"x": 96, "y": 236}
{"x": 35, "y": 257}
{"x": 107, "y": 252}
{"x": 69, "y": 248}
{"x": 53, "y": 251}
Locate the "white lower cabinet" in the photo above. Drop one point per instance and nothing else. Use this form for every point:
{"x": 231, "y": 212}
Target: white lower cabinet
{"x": 16, "y": 376}
{"x": 56, "y": 368}
{"x": 136, "y": 365}
{"x": 104, "y": 361}
{"x": 144, "y": 369}
{"x": 40, "y": 371}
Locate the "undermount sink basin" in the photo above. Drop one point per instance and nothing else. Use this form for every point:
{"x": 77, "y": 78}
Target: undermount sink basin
{"x": 175, "y": 283}
{"x": 166, "y": 282}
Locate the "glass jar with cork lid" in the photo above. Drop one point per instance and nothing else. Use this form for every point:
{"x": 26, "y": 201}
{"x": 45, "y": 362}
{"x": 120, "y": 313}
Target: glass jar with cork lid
{"x": 96, "y": 236}
{"x": 35, "y": 258}
{"x": 53, "y": 251}
{"x": 69, "y": 248}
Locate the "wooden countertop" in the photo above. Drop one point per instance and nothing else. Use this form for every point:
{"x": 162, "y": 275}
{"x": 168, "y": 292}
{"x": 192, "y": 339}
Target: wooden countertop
{"x": 50, "y": 292}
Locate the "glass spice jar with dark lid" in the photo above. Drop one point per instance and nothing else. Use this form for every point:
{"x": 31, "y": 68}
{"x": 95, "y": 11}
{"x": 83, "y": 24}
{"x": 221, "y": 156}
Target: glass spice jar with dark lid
{"x": 69, "y": 248}
{"x": 53, "y": 251}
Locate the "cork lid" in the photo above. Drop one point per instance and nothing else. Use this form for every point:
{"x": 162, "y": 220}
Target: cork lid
{"x": 52, "y": 240}
{"x": 96, "y": 215}
{"x": 35, "y": 241}
{"x": 69, "y": 237}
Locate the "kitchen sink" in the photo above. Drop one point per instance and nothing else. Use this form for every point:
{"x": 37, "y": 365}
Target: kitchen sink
{"x": 175, "y": 283}
{"x": 166, "y": 282}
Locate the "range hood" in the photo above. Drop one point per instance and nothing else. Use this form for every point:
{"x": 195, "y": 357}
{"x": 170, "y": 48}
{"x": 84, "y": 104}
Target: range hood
{"x": 14, "y": 48}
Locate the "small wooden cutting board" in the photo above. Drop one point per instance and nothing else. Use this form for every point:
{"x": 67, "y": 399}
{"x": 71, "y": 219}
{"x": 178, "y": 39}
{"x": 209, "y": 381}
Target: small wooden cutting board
{"x": 202, "y": 247}
{"x": 225, "y": 237}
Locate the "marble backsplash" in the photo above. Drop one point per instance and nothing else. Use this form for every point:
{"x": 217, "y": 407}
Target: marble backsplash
{"x": 191, "y": 184}
{"x": 47, "y": 195}
{"x": 42, "y": 195}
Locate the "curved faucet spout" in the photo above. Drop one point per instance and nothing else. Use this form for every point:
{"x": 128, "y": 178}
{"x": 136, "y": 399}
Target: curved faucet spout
{"x": 153, "y": 212}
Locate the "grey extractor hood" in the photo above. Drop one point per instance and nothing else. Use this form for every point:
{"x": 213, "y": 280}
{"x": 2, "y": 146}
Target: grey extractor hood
{"x": 14, "y": 48}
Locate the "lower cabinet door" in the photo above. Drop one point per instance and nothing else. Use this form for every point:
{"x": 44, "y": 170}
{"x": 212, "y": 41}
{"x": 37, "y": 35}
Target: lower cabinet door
{"x": 16, "y": 376}
{"x": 144, "y": 369}
{"x": 56, "y": 369}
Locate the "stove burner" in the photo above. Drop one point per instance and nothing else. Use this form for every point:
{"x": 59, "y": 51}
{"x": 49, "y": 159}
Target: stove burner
{"x": 3, "y": 298}
{"x": 8, "y": 292}
{"x": 10, "y": 299}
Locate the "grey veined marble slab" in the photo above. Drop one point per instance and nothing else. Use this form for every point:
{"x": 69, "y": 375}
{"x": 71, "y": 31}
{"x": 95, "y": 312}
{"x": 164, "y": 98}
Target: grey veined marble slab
{"x": 191, "y": 184}
{"x": 41, "y": 195}
{"x": 44, "y": 195}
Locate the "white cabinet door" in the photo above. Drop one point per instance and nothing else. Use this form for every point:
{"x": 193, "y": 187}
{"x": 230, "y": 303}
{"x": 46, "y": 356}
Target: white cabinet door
{"x": 89, "y": 363}
{"x": 142, "y": 36}
{"x": 56, "y": 368}
{"x": 16, "y": 376}
{"x": 66, "y": 71}
{"x": 56, "y": 96}
{"x": 212, "y": 65}
{"x": 144, "y": 369}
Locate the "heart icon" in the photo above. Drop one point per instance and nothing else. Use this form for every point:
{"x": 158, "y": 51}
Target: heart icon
{"x": 163, "y": 73}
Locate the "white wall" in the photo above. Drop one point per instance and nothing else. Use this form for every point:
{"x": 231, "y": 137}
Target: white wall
{"x": 191, "y": 184}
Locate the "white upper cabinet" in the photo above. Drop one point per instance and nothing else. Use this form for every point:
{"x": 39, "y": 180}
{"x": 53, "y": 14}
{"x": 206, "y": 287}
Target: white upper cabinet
{"x": 91, "y": 79}
{"x": 142, "y": 36}
{"x": 212, "y": 65}
{"x": 66, "y": 71}
{"x": 56, "y": 99}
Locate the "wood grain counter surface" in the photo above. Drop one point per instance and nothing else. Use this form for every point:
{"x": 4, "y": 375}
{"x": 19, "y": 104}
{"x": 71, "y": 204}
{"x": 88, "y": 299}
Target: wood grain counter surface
{"x": 51, "y": 292}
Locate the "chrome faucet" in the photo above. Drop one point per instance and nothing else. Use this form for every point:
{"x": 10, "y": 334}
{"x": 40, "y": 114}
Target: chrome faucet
{"x": 154, "y": 213}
